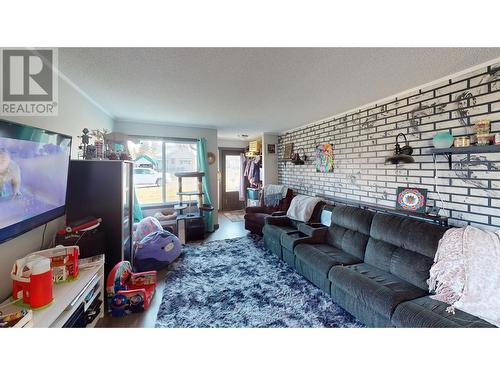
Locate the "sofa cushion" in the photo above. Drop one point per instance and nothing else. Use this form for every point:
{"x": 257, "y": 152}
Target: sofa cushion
{"x": 323, "y": 257}
{"x": 349, "y": 230}
{"x": 373, "y": 287}
{"x": 426, "y": 312}
{"x": 315, "y": 261}
{"x": 404, "y": 247}
{"x": 272, "y": 236}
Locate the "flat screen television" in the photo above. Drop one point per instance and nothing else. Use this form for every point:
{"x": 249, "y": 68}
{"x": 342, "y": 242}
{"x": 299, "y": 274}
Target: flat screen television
{"x": 33, "y": 177}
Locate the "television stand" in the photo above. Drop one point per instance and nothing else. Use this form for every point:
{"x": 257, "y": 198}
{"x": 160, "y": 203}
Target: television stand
{"x": 75, "y": 303}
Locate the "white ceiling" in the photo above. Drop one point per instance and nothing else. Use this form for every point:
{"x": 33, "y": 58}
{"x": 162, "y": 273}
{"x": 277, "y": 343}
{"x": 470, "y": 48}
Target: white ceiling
{"x": 250, "y": 90}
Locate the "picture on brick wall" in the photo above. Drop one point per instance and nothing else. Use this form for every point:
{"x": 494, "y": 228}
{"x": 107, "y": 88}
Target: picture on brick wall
{"x": 288, "y": 153}
{"x": 411, "y": 199}
{"x": 324, "y": 157}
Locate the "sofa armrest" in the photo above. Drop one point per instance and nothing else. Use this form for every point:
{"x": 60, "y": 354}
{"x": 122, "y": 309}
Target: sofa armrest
{"x": 280, "y": 221}
{"x": 317, "y": 232}
{"x": 290, "y": 240}
{"x": 255, "y": 210}
{"x": 279, "y": 213}
{"x": 310, "y": 228}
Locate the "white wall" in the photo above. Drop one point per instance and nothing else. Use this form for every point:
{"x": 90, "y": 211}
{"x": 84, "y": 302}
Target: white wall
{"x": 231, "y": 143}
{"x": 160, "y": 130}
{"x": 75, "y": 113}
{"x": 269, "y": 161}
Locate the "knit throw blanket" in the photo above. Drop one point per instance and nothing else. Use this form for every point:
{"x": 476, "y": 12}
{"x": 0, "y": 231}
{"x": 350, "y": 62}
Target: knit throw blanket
{"x": 466, "y": 272}
{"x": 273, "y": 194}
{"x": 302, "y": 207}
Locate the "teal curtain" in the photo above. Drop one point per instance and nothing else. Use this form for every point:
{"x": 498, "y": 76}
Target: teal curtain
{"x": 201, "y": 150}
{"x": 137, "y": 212}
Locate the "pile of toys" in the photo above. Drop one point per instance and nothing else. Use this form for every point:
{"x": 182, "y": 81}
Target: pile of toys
{"x": 63, "y": 262}
{"x": 34, "y": 275}
{"x": 129, "y": 292}
{"x": 154, "y": 248}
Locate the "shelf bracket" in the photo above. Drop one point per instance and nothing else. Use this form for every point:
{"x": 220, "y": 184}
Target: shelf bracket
{"x": 446, "y": 155}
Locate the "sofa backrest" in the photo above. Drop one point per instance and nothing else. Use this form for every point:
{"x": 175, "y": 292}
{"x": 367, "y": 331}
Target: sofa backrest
{"x": 403, "y": 246}
{"x": 350, "y": 229}
{"x": 285, "y": 202}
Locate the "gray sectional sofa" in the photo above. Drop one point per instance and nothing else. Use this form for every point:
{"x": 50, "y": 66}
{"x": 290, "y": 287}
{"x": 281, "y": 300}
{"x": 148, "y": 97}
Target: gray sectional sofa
{"x": 375, "y": 265}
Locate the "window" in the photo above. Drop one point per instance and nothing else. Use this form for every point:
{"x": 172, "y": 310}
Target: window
{"x": 155, "y": 165}
{"x": 232, "y": 173}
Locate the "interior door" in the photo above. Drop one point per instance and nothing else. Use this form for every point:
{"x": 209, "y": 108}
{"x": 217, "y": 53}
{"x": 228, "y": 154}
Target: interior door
{"x": 230, "y": 179}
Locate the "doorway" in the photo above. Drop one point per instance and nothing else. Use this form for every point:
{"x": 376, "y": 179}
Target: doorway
{"x": 230, "y": 179}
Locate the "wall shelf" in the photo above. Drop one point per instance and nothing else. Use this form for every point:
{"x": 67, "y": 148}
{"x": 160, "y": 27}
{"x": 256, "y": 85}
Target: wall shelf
{"x": 448, "y": 152}
{"x": 437, "y": 219}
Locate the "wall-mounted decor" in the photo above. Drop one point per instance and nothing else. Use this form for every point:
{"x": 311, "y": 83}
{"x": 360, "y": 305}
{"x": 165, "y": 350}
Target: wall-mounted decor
{"x": 324, "y": 157}
{"x": 442, "y": 139}
{"x": 288, "y": 151}
{"x": 271, "y": 148}
{"x": 211, "y": 158}
{"x": 297, "y": 160}
{"x": 364, "y": 136}
{"x": 401, "y": 154}
{"x": 411, "y": 199}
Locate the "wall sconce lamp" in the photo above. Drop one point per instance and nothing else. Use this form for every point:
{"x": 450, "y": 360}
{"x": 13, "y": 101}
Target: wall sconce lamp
{"x": 401, "y": 154}
{"x": 296, "y": 157}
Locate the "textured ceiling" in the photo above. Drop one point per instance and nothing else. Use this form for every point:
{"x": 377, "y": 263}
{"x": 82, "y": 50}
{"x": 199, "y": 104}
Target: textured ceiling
{"x": 250, "y": 90}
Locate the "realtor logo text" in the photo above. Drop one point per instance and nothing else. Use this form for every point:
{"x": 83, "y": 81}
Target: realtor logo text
{"x": 28, "y": 82}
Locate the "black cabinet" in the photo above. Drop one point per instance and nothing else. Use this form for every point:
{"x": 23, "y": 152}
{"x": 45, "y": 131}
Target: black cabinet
{"x": 104, "y": 188}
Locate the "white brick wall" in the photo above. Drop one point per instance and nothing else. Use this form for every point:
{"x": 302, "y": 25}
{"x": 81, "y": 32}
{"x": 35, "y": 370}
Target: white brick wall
{"x": 364, "y": 137}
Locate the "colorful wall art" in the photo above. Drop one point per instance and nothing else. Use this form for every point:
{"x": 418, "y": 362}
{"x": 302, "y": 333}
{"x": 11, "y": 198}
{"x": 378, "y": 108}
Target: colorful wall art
{"x": 324, "y": 157}
{"x": 411, "y": 199}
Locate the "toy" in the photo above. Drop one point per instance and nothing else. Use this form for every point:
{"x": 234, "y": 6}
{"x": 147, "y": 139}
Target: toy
{"x": 32, "y": 281}
{"x": 63, "y": 261}
{"x": 85, "y": 137}
{"x": 86, "y": 224}
{"x": 144, "y": 227}
{"x": 129, "y": 292}
{"x": 12, "y": 315}
{"x": 156, "y": 250}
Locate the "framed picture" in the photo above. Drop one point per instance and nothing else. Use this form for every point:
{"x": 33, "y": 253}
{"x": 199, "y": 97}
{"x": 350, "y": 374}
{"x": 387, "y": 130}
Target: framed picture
{"x": 288, "y": 151}
{"x": 271, "y": 148}
{"x": 411, "y": 199}
{"x": 323, "y": 158}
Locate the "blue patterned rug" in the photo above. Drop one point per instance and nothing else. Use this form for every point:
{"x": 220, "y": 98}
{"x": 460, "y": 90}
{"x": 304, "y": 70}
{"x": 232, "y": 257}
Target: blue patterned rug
{"x": 238, "y": 283}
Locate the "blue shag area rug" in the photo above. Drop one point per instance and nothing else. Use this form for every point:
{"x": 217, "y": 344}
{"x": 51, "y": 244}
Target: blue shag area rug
{"x": 238, "y": 283}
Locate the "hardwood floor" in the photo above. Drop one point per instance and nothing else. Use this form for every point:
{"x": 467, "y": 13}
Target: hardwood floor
{"x": 147, "y": 319}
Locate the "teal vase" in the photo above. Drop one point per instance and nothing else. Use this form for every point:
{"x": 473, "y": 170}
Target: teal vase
{"x": 442, "y": 140}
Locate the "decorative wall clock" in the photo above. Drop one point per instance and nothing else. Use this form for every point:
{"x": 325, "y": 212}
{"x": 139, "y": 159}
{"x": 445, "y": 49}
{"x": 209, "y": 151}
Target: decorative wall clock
{"x": 211, "y": 158}
{"x": 411, "y": 199}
